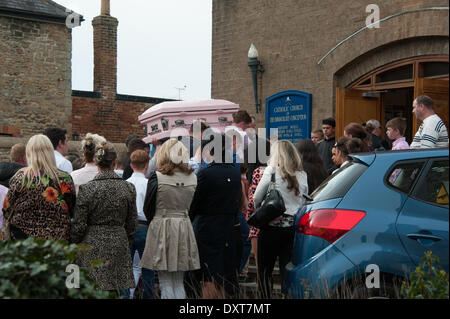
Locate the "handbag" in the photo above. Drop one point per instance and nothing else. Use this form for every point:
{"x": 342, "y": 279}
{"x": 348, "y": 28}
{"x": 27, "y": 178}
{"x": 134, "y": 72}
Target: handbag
{"x": 272, "y": 207}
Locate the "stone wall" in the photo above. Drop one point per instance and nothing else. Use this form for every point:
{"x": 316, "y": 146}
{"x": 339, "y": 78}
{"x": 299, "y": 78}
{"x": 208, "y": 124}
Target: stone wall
{"x": 35, "y": 76}
{"x": 292, "y": 36}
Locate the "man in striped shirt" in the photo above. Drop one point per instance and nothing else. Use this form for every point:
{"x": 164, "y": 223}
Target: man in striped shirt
{"x": 432, "y": 132}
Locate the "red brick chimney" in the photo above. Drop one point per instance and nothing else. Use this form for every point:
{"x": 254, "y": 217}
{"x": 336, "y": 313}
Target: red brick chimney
{"x": 105, "y": 52}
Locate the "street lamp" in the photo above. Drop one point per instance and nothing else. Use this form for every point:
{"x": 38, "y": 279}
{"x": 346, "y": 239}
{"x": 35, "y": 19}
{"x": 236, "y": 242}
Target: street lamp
{"x": 255, "y": 67}
{"x": 75, "y": 136}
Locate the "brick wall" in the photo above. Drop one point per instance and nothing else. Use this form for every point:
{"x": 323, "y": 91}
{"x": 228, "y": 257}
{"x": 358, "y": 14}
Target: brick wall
{"x": 292, "y": 36}
{"x": 35, "y": 76}
{"x": 113, "y": 119}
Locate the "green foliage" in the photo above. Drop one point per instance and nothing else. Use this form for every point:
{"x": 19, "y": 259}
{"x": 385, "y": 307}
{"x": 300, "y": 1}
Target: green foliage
{"x": 36, "y": 268}
{"x": 428, "y": 281}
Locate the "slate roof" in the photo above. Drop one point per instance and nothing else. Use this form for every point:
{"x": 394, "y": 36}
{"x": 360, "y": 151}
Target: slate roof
{"x": 35, "y": 9}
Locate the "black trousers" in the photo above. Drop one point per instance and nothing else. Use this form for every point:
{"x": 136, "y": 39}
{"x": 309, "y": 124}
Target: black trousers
{"x": 273, "y": 243}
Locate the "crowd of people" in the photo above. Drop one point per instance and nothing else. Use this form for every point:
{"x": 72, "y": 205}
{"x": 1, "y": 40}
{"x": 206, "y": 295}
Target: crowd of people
{"x": 177, "y": 214}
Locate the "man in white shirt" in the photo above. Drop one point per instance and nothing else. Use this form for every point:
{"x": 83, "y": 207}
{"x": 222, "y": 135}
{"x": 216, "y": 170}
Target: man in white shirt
{"x": 241, "y": 121}
{"x": 139, "y": 161}
{"x": 432, "y": 133}
{"x": 58, "y": 137}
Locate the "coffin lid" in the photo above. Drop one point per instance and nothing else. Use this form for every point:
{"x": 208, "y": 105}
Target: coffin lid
{"x": 187, "y": 106}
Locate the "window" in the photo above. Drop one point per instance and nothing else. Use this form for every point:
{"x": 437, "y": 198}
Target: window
{"x": 434, "y": 186}
{"x": 403, "y": 175}
{"x": 401, "y": 73}
{"x": 338, "y": 184}
{"x": 366, "y": 82}
{"x": 434, "y": 69}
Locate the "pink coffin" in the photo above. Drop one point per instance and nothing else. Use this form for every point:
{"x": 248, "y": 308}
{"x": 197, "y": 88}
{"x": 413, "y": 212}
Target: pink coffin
{"x": 175, "y": 118}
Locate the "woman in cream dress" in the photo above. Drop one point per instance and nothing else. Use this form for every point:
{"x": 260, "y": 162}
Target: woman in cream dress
{"x": 171, "y": 248}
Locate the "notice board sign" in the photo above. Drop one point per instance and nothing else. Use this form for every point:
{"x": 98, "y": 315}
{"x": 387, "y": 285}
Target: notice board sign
{"x": 290, "y": 113}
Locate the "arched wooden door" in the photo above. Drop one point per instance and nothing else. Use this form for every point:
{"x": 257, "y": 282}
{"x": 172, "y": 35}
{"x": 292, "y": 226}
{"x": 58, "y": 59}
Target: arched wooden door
{"x": 355, "y": 106}
{"x": 364, "y": 99}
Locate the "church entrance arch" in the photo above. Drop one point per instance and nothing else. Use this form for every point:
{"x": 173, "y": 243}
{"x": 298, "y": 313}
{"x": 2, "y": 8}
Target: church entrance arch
{"x": 389, "y": 91}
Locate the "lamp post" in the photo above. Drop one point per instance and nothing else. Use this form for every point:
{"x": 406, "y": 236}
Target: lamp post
{"x": 75, "y": 136}
{"x": 256, "y": 67}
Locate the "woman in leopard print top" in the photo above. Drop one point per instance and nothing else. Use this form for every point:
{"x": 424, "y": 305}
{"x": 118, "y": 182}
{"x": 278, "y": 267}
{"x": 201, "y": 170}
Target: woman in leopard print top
{"x": 41, "y": 198}
{"x": 105, "y": 219}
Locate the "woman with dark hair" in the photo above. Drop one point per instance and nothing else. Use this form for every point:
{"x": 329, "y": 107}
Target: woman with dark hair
{"x": 105, "y": 219}
{"x": 358, "y": 131}
{"x": 340, "y": 153}
{"x": 256, "y": 164}
{"x": 355, "y": 145}
{"x": 214, "y": 211}
{"x": 312, "y": 163}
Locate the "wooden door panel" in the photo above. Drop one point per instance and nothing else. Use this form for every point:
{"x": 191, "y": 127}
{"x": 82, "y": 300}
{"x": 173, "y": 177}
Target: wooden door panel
{"x": 438, "y": 91}
{"x": 351, "y": 106}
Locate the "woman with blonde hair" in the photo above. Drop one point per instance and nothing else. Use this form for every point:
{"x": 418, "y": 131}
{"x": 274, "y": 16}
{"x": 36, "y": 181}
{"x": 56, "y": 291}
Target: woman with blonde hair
{"x": 41, "y": 197}
{"x": 171, "y": 248}
{"x": 105, "y": 219}
{"x": 276, "y": 239}
{"x": 88, "y": 172}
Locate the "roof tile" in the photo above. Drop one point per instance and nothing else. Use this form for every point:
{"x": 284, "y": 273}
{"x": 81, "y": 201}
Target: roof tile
{"x": 36, "y": 7}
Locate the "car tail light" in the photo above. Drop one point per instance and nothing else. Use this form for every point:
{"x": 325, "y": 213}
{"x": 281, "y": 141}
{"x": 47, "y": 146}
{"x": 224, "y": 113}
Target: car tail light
{"x": 329, "y": 224}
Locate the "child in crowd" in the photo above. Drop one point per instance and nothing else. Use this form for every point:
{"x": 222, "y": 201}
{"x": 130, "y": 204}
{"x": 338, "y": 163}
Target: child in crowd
{"x": 395, "y": 130}
{"x": 317, "y": 136}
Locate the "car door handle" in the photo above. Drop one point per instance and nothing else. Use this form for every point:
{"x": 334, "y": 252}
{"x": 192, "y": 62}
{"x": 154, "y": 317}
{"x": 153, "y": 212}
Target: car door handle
{"x": 423, "y": 236}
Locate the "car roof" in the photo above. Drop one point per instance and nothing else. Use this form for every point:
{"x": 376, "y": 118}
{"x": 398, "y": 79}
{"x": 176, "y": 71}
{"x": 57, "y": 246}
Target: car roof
{"x": 402, "y": 154}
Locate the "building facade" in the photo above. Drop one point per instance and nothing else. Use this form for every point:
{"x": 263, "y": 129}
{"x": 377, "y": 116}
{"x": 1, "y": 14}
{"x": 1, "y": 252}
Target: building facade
{"x": 103, "y": 110}
{"x": 35, "y": 78}
{"x": 35, "y": 67}
{"x": 353, "y": 72}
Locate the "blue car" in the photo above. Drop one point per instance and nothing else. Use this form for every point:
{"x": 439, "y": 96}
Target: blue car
{"x": 367, "y": 226}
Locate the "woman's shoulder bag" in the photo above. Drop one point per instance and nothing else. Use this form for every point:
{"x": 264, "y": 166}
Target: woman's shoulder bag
{"x": 272, "y": 207}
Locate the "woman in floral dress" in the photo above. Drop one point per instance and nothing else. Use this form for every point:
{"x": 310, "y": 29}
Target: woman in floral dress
{"x": 41, "y": 197}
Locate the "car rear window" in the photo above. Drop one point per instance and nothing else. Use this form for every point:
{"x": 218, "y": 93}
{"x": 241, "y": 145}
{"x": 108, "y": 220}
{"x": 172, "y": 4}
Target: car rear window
{"x": 403, "y": 175}
{"x": 337, "y": 185}
{"x": 434, "y": 187}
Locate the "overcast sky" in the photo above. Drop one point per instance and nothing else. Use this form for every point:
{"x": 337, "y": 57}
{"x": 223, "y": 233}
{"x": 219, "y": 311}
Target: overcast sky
{"x": 162, "y": 46}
